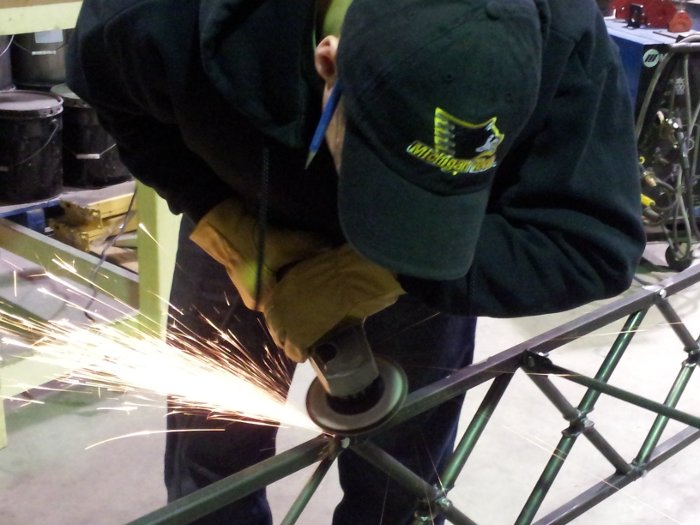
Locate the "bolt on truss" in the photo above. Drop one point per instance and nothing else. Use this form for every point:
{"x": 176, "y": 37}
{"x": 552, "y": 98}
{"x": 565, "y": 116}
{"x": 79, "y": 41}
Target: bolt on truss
{"x": 534, "y": 358}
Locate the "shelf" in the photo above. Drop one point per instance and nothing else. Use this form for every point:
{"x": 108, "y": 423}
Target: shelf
{"x": 157, "y": 238}
{"x": 146, "y": 293}
{"x": 29, "y": 16}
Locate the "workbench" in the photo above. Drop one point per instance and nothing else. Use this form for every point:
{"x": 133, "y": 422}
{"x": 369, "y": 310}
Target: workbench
{"x": 146, "y": 292}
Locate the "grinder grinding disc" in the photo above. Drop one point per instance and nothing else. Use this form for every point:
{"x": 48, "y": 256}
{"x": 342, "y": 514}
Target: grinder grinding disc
{"x": 361, "y": 413}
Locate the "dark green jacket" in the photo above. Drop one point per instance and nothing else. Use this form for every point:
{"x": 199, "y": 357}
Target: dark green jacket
{"x": 210, "y": 98}
{"x": 217, "y": 97}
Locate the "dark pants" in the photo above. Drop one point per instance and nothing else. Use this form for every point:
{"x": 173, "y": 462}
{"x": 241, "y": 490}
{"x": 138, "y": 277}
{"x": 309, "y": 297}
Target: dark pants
{"x": 427, "y": 344}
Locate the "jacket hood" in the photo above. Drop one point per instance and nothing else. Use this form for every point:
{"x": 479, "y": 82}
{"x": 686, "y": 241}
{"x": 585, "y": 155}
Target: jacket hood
{"x": 262, "y": 67}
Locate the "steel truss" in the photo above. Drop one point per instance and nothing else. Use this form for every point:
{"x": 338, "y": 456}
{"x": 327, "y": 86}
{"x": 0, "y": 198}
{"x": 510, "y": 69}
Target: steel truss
{"x": 531, "y": 356}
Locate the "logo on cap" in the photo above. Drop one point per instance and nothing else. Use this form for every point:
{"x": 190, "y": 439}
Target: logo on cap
{"x": 460, "y": 146}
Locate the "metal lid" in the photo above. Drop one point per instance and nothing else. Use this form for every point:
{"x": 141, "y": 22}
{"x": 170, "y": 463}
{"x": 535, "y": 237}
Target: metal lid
{"x": 70, "y": 99}
{"x": 25, "y": 103}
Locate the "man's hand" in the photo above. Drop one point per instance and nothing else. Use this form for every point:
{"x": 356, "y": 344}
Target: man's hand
{"x": 230, "y": 236}
{"x": 337, "y": 287}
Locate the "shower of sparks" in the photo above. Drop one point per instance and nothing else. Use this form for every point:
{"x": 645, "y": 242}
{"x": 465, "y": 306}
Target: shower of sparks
{"x": 106, "y": 357}
{"x": 196, "y": 376}
{"x": 152, "y": 432}
{"x": 143, "y": 228}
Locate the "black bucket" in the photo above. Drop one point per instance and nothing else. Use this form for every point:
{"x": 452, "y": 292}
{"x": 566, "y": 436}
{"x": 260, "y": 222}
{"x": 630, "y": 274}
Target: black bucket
{"x": 5, "y": 63}
{"x": 39, "y": 59}
{"x": 31, "y": 165}
{"x": 90, "y": 156}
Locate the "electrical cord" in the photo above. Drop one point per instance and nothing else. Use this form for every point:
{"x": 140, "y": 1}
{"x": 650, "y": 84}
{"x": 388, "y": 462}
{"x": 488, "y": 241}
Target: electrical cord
{"x": 262, "y": 222}
{"x": 686, "y": 144}
{"x": 680, "y": 210}
{"x": 7, "y": 47}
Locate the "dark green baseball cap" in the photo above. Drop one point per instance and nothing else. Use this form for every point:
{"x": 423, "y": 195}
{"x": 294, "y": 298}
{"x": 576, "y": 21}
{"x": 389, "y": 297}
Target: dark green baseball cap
{"x": 435, "y": 93}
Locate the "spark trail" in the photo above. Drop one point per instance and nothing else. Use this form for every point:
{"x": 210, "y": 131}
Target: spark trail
{"x": 195, "y": 380}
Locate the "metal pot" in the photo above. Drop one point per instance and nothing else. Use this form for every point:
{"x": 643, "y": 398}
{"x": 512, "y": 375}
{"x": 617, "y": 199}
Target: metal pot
{"x": 39, "y": 59}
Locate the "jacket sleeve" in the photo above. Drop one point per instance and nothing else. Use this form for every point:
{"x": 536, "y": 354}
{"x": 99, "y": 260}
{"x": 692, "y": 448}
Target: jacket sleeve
{"x": 120, "y": 75}
{"x": 564, "y": 222}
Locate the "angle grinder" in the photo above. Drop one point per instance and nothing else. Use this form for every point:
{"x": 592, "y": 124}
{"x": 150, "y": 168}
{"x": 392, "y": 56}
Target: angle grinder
{"x": 353, "y": 392}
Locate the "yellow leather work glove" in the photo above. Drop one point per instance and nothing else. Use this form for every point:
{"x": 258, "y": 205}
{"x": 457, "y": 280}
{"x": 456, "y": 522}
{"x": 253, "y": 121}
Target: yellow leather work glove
{"x": 230, "y": 236}
{"x": 336, "y": 287}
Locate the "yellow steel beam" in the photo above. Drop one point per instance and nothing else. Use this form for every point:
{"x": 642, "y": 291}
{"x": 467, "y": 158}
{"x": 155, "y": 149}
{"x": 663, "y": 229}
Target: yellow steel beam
{"x": 30, "y": 16}
{"x": 46, "y": 252}
{"x": 157, "y": 244}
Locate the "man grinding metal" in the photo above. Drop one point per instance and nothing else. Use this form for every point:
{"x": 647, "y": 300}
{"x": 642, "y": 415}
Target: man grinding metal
{"x": 480, "y": 161}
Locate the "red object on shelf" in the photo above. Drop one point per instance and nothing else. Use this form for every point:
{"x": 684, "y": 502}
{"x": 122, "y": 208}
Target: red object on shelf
{"x": 619, "y": 8}
{"x": 656, "y": 13}
{"x": 680, "y": 22}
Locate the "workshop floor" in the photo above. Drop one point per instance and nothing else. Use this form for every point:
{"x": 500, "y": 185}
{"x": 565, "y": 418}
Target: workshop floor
{"x": 54, "y": 472}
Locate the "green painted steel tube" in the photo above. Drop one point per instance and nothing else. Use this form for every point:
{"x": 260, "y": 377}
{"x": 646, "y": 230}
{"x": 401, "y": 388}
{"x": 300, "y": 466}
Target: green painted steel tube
{"x": 410, "y": 481}
{"x": 580, "y": 423}
{"x": 605, "y": 448}
{"x": 544, "y": 483}
{"x": 453, "y": 515}
{"x": 396, "y": 470}
{"x": 212, "y": 497}
{"x": 587, "y": 499}
{"x": 612, "y": 359}
{"x": 551, "y": 392}
{"x": 474, "y": 431}
{"x": 609, "y": 486}
{"x": 310, "y": 487}
{"x": 430, "y": 396}
{"x": 657, "y": 428}
{"x": 619, "y": 393}
{"x": 677, "y": 325}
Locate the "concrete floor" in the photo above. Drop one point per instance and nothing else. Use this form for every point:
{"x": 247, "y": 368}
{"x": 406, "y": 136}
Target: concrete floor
{"x": 49, "y": 476}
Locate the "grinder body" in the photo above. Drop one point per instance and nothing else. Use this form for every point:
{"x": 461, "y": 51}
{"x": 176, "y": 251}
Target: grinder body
{"x": 353, "y": 392}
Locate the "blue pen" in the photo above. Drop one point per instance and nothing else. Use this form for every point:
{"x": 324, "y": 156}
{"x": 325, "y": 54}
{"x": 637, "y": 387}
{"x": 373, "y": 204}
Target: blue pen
{"x": 326, "y": 116}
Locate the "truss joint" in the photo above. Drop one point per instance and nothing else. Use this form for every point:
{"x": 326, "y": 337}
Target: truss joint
{"x": 693, "y": 357}
{"x": 578, "y": 425}
{"x": 535, "y": 361}
{"x": 431, "y": 509}
{"x": 639, "y": 469}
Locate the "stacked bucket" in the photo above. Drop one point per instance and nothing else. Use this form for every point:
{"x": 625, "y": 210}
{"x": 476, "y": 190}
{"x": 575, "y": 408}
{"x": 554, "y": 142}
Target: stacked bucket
{"x": 50, "y": 139}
